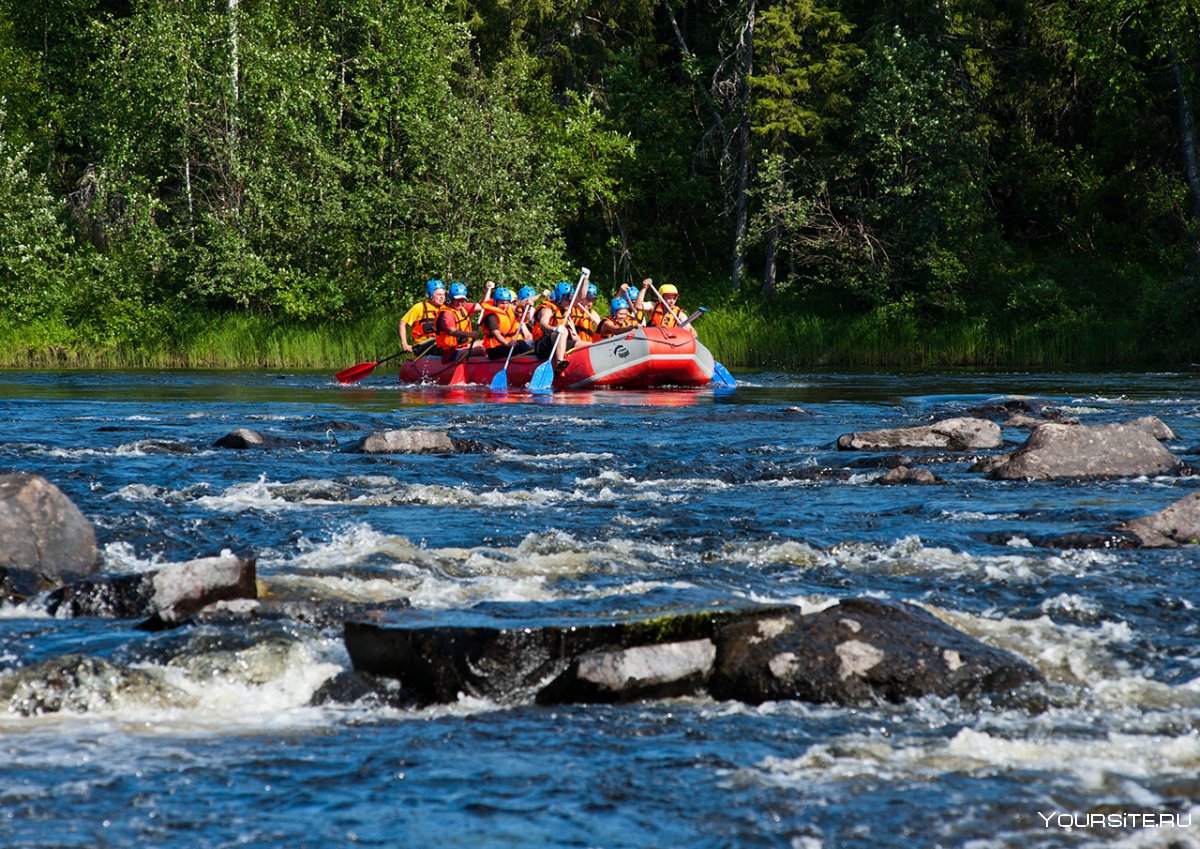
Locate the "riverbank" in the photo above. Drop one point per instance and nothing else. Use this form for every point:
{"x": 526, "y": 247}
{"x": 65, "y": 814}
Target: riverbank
{"x": 743, "y": 336}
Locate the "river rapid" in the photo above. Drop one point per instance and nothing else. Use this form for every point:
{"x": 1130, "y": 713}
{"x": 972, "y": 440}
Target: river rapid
{"x": 595, "y": 498}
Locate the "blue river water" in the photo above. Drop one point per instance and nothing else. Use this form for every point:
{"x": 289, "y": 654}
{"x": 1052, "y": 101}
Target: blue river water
{"x": 596, "y": 498}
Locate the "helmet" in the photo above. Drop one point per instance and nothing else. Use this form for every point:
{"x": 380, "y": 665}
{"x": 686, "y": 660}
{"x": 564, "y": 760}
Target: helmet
{"x": 592, "y": 291}
{"x": 432, "y": 286}
{"x": 617, "y": 305}
{"x": 668, "y": 290}
{"x": 526, "y": 292}
{"x": 504, "y": 294}
{"x": 458, "y": 290}
{"x": 563, "y": 290}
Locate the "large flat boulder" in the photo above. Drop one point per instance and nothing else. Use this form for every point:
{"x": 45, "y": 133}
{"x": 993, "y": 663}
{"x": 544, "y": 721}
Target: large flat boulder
{"x": 860, "y": 650}
{"x": 44, "y": 538}
{"x": 1056, "y": 451}
{"x": 958, "y": 434}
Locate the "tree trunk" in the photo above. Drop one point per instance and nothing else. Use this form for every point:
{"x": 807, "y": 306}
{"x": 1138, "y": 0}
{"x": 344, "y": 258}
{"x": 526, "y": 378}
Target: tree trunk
{"x": 741, "y": 202}
{"x": 1191, "y": 166}
{"x": 768, "y": 288}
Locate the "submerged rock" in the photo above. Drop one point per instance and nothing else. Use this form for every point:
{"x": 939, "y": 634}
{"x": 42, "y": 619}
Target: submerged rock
{"x": 958, "y": 434}
{"x": 244, "y": 438}
{"x": 79, "y": 683}
{"x": 44, "y": 538}
{"x": 905, "y": 475}
{"x": 1056, "y": 451}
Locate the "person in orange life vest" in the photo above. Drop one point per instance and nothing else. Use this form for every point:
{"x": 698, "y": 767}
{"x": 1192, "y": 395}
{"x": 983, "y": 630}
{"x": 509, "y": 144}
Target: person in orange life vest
{"x": 665, "y": 313}
{"x": 630, "y": 293}
{"x": 550, "y": 315}
{"x": 422, "y": 317}
{"x": 619, "y": 319}
{"x": 584, "y": 314}
{"x": 503, "y": 328}
{"x": 456, "y": 334}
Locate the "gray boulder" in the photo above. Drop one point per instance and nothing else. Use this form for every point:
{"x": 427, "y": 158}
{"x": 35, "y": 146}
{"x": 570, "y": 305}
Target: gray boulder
{"x": 167, "y": 597}
{"x": 859, "y": 651}
{"x": 410, "y": 441}
{"x": 182, "y": 589}
{"x": 1176, "y": 524}
{"x": 958, "y": 434}
{"x": 46, "y": 540}
{"x": 241, "y": 439}
{"x": 1056, "y": 451}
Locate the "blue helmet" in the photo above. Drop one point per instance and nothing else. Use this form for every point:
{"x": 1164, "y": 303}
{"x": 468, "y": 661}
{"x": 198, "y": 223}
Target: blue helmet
{"x": 592, "y": 291}
{"x": 458, "y": 290}
{"x": 563, "y": 290}
{"x": 504, "y": 294}
{"x": 432, "y": 286}
{"x": 617, "y": 305}
{"x": 526, "y": 292}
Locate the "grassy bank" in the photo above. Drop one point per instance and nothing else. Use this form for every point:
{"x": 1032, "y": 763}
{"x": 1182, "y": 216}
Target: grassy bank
{"x": 740, "y": 337}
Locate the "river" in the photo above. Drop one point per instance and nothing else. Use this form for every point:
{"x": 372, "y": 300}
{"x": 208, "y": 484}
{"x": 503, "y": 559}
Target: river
{"x": 596, "y": 497}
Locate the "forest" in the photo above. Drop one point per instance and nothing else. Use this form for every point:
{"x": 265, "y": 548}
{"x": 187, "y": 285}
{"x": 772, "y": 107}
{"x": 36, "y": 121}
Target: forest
{"x": 905, "y": 182}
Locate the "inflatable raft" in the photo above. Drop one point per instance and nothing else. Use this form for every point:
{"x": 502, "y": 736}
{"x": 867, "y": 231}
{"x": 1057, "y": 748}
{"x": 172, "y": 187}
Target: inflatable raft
{"x": 641, "y": 358}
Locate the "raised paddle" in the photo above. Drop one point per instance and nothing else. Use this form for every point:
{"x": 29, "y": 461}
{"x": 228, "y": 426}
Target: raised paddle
{"x": 721, "y": 376}
{"x": 500, "y": 380}
{"x": 543, "y": 375}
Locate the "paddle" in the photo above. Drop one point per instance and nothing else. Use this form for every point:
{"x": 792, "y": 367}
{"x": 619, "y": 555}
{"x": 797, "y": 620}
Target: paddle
{"x": 543, "y": 375}
{"x": 500, "y": 381}
{"x": 721, "y": 376}
{"x": 358, "y": 372}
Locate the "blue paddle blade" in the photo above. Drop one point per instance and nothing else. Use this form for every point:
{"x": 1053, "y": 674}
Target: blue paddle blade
{"x": 722, "y": 377}
{"x": 500, "y": 381}
{"x": 543, "y": 377}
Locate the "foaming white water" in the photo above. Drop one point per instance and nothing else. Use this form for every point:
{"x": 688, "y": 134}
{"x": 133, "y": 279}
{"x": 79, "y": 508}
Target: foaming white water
{"x": 266, "y": 685}
{"x": 909, "y": 556}
{"x": 449, "y": 577}
{"x": 122, "y": 557}
{"x": 258, "y": 495}
{"x": 1105, "y": 763}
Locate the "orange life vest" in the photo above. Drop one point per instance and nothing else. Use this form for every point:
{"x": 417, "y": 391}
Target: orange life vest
{"x": 555, "y": 319}
{"x": 507, "y": 324}
{"x": 584, "y": 325}
{"x": 426, "y": 324}
{"x": 462, "y": 321}
{"x": 662, "y": 316}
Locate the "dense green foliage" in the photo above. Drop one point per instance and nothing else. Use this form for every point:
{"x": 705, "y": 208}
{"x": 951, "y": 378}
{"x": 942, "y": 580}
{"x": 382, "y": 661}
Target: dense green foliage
{"x": 908, "y": 182}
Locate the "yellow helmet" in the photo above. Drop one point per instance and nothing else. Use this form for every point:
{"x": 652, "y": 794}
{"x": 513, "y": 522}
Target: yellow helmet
{"x": 668, "y": 290}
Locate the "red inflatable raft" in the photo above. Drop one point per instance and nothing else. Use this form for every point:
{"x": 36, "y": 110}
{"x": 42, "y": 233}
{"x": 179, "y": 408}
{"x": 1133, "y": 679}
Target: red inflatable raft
{"x": 641, "y": 358}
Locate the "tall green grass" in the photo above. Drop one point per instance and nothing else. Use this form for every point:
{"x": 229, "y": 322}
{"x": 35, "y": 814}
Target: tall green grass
{"x": 746, "y": 336}
{"x": 740, "y": 336}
